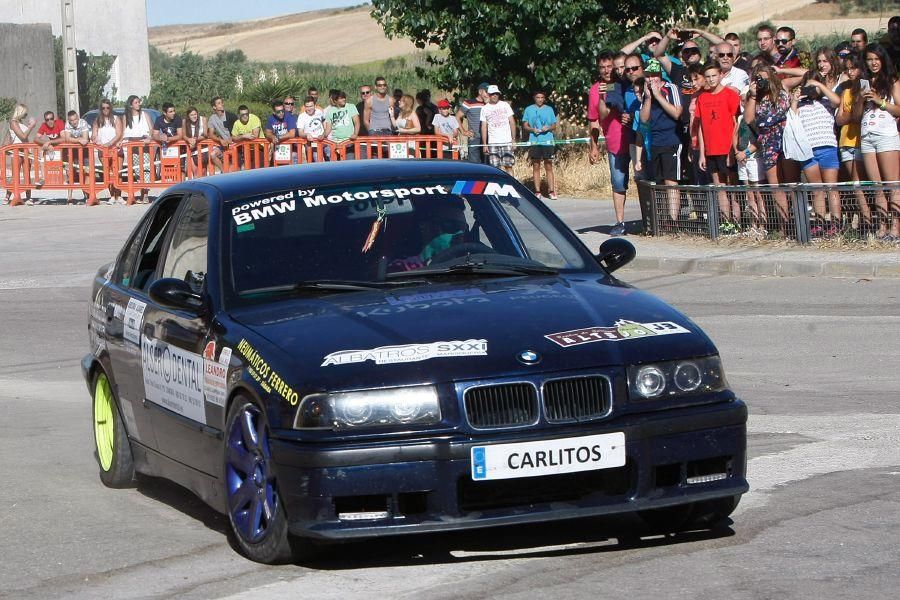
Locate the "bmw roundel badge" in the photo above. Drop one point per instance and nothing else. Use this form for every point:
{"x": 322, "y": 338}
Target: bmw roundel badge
{"x": 529, "y": 357}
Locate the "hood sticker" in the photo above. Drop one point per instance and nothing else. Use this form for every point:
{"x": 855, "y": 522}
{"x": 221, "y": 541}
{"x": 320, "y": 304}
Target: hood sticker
{"x": 406, "y": 353}
{"x": 134, "y": 318}
{"x": 263, "y": 374}
{"x": 622, "y": 330}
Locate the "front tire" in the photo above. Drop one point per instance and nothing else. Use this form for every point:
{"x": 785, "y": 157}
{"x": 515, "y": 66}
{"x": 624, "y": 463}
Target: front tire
{"x": 255, "y": 510}
{"x": 111, "y": 445}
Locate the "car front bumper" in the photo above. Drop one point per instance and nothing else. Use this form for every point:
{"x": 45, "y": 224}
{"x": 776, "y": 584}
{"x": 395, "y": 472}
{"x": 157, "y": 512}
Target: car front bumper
{"x": 353, "y": 491}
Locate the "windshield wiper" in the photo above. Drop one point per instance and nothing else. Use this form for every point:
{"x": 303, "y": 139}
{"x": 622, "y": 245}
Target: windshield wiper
{"x": 327, "y": 285}
{"x": 477, "y": 268}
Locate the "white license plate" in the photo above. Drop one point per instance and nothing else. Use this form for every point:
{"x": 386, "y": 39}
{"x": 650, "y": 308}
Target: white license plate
{"x": 548, "y": 457}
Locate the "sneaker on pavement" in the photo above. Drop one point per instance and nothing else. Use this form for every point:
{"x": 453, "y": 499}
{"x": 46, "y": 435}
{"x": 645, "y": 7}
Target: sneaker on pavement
{"x": 553, "y": 196}
{"x": 617, "y": 229}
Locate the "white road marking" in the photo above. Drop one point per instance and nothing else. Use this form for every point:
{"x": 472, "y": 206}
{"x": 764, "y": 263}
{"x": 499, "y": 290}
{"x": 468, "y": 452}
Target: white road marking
{"x": 846, "y": 442}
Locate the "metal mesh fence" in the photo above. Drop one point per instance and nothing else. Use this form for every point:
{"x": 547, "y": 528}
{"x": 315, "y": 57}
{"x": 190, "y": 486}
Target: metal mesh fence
{"x": 798, "y": 212}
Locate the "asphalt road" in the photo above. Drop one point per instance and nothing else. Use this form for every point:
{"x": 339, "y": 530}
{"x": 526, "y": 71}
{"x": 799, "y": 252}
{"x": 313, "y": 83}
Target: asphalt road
{"x": 815, "y": 358}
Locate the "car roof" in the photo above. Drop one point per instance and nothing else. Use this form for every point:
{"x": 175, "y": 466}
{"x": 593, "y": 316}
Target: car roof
{"x": 256, "y": 182}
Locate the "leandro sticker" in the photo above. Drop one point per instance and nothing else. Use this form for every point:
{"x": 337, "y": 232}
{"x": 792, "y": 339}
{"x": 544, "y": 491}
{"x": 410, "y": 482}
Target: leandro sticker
{"x": 406, "y": 353}
{"x": 623, "y": 330}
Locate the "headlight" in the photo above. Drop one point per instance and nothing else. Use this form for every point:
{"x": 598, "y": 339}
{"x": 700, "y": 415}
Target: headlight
{"x": 676, "y": 378}
{"x": 374, "y": 408}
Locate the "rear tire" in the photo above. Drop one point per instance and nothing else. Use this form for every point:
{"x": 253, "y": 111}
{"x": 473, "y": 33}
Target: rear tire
{"x": 112, "y": 447}
{"x": 255, "y": 510}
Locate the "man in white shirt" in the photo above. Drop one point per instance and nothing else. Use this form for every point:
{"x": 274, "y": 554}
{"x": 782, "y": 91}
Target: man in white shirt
{"x": 77, "y": 131}
{"x": 498, "y": 130}
{"x": 731, "y": 75}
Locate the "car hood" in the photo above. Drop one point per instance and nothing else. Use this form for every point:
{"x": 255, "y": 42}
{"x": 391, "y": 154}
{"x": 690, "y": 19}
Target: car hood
{"x": 486, "y": 324}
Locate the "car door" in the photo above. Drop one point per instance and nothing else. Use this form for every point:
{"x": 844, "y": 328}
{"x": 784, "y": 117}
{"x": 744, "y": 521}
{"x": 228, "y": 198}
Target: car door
{"x": 173, "y": 346}
{"x": 125, "y": 305}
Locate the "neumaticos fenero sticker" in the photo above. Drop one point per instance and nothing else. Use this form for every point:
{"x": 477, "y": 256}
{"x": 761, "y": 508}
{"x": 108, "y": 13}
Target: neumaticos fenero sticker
{"x": 263, "y": 374}
{"x": 622, "y": 330}
{"x": 406, "y": 353}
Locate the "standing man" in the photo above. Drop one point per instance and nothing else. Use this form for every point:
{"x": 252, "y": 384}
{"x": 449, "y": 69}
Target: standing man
{"x": 470, "y": 114}
{"x": 364, "y": 92}
{"x": 859, "y": 39}
{"x": 77, "y": 132}
{"x": 377, "y": 116}
{"x": 288, "y": 105}
{"x": 718, "y": 110}
{"x": 218, "y": 129}
{"x": 314, "y": 94}
{"x": 739, "y": 61}
{"x": 731, "y": 76}
{"x": 786, "y": 57}
{"x": 343, "y": 120}
{"x": 498, "y": 130}
{"x": 539, "y": 121}
{"x": 661, "y": 110}
{"x": 891, "y": 42}
{"x": 608, "y": 117}
{"x": 765, "y": 41}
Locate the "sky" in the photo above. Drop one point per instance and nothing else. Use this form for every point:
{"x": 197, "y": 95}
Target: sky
{"x": 171, "y": 12}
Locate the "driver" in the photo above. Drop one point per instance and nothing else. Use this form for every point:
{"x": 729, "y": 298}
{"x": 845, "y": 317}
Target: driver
{"x": 442, "y": 225}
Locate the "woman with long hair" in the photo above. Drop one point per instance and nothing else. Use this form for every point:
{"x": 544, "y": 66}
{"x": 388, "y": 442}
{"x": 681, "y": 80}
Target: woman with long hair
{"x": 20, "y": 128}
{"x": 814, "y": 102}
{"x": 767, "y": 105}
{"x": 137, "y": 129}
{"x": 107, "y": 132}
{"x": 879, "y": 140}
{"x": 407, "y": 121}
{"x": 194, "y": 132}
{"x": 848, "y": 118}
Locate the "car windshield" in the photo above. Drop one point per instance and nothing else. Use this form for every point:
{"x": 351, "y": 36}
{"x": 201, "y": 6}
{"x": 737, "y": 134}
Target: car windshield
{"x": 388, "y": 234}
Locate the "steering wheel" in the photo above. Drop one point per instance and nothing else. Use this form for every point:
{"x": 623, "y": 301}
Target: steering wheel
{"x": 461, "y": 250}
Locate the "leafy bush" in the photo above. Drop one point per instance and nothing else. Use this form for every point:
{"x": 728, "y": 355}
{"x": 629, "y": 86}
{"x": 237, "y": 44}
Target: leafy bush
{"x": 6, "y": 107}
{"x": 93, "y": 75}
{"x": 268, "y": 90}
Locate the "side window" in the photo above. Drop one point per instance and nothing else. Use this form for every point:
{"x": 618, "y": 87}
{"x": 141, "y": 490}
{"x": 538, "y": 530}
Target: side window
{"x": 153, "y": 243}
{"x": 125, "y": 269}
{"x": 186, "y": 256}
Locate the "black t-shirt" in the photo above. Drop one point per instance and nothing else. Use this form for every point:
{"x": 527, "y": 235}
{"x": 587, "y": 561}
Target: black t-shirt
{"x": 169, "y": 128}
{"x": 360, "y": 108}
{"x": 426, "y": 116}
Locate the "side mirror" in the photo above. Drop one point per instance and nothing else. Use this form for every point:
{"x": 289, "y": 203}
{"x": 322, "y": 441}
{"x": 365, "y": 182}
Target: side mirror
{"x": 175, "y": 293}
{"x": 615, "y": 253}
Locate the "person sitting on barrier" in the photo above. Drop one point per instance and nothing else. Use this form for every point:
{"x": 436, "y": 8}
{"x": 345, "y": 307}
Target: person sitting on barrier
{"x": 138, "y": 129}
{"x": 814, "y": 102}
{"x": 50, "y": 134}
{"x": 168, "y": 127}
{"x": 77, "y": 132}
{"x": 718, "y": 110}
{"x": 194, "y": 133}
{"x": 407, "y": 122}
{"x": 343, "y": 121}
{"x": 281, "y": 126}
{"x": 879, "y": 141}
{"x": 19, "y": 133}
{"x": 766, "y": 106}
{"x": 106, "y": 132}
{"x": 218, "y": 129}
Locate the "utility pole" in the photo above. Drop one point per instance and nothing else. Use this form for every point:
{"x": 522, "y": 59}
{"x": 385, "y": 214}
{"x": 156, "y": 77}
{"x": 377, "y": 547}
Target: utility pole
{"x": 70, "y": 65}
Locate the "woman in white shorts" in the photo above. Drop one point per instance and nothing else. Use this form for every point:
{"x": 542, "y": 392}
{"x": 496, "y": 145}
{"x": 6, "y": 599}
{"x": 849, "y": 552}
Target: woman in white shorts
{"x": 879, "y": 139}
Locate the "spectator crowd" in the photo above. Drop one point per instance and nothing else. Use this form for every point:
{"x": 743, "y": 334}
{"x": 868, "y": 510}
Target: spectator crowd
{"x": 662, "y": 109}
{"x": 673, "y": 115}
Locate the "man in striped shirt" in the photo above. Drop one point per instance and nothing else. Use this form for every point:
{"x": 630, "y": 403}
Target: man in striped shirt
{"x": 469, "y": 117}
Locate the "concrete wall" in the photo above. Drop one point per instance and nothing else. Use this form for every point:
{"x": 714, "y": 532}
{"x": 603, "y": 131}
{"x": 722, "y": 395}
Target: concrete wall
{"x": 27, "y": 69}
{"x": 117, "y": 27}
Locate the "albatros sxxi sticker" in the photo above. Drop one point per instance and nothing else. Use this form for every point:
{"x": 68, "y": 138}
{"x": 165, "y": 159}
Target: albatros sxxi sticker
{"x": 406, "y": 353}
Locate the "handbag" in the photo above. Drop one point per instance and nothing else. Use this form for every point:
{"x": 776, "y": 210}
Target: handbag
{"x": 794, "y": 142}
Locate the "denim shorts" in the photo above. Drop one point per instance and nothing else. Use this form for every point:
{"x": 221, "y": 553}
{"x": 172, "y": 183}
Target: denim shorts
{"x": 618, "y": 171}
{"x": 826, "y": 157}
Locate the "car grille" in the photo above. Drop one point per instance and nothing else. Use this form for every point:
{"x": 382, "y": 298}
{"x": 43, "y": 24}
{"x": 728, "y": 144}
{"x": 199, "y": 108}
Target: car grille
{"x": 575, "y": 399}
{"x": 506, "y": 405}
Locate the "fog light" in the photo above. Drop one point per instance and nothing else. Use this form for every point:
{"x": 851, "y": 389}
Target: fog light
{"x": 706, "y": 478}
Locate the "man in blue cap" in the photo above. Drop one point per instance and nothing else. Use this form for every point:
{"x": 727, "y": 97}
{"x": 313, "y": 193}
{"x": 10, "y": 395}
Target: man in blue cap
{"x": 470, "y": 112}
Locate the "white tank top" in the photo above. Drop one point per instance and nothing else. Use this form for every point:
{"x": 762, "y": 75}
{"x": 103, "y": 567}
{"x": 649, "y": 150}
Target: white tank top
{"x": 15, "y": 136}
{"x": 881, "y": 122}
{"x": 106, "y": 134}
{"x": 138, "y": 129}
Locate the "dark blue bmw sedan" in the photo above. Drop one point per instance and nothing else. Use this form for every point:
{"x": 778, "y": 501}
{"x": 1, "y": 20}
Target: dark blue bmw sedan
{"x": 369, "y": 348}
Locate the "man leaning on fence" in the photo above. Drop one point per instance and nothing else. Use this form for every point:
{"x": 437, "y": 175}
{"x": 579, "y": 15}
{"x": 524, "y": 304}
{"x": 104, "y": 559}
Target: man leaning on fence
{"x": 218, "y": 129}
{"x": 78, "y": 132}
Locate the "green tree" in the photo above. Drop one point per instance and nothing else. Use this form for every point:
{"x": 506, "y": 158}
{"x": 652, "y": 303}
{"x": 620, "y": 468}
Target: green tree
{"x": 93, "y": 75}
{"x": 521, "y": 45}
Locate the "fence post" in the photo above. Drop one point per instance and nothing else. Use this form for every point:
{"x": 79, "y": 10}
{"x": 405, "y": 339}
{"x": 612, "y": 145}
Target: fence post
{"x": 800, "y": 202}
{"x": 712, "y": 213}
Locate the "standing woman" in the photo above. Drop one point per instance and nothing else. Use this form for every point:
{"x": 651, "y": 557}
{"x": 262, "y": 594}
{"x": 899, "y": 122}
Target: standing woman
{"x": 107, "y": 132}
{"x": 767, "y": 106}
{"x": 848, "y": 119}
{"x": 137, "y": 129}
{"x": 19, "y": 132}
{"x": 879, "y": 141}
{"x": 194, "y": 132}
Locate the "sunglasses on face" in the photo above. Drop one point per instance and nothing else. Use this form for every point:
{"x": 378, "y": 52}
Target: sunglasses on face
{"x": 689, "y": 51}
{"x": 280, "y": 110}
{"x": 653, "y": 41}
{"x": 288, "y": 103}
{"x": 244, "y": 115}
{"x": 782, "y": 41}
{"x": 631, "y": 69}
{"x": 724, "y": 54}
{"x": 366, "y": 92}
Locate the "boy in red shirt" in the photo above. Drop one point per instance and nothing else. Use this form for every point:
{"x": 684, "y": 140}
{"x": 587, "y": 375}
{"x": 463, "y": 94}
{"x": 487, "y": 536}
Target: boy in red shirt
{"x": 718, "y": 110}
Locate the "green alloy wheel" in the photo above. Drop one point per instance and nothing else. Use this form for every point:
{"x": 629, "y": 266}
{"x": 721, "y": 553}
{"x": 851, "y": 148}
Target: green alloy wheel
{"x": 111, "y": 442}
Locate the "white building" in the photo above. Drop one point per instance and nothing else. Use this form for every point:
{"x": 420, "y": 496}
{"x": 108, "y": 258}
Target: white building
{"x": 117, "y": 27}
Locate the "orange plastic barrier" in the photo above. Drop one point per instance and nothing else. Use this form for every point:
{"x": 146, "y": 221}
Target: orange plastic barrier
{"x": 247, "y": 154}
{"x": 199, "y": 163}
{"x": 61, "y": 167}
{"x": 142, "y": 165}
{"x": 405, "y": 146}
{"x": 300, "y": 150}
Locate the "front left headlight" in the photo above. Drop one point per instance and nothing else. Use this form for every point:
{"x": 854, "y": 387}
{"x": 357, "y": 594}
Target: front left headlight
{"x": 676, "y": 378}
{"x": 416, "y": 405}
